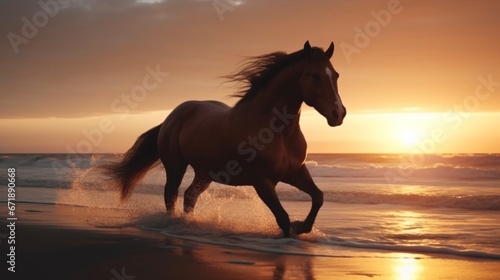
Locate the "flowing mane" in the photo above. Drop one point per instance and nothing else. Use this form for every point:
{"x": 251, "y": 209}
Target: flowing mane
{"x": 256, "y": 71}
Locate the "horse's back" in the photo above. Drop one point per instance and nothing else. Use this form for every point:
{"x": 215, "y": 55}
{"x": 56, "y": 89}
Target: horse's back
{"x": 185, "y": 121}
{"x": 192, "y": 109}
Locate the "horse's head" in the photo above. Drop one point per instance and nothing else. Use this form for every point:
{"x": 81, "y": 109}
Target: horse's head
{"x": 318, "y": 85}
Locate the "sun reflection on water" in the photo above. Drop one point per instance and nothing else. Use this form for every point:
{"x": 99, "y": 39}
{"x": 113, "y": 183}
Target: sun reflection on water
{"x": 406, "y": 226}
{"x": 406, "y": 267}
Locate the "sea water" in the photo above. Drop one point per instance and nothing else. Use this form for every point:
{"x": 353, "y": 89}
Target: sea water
{"x": 427, "y": 204}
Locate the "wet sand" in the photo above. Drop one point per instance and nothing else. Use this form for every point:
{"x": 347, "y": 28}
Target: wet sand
{"x": 66, "y": 242}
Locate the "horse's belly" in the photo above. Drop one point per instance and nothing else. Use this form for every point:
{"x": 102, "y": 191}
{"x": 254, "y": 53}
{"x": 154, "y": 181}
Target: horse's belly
{"x": 231, "y": 154}
{"x": 235, "y": 169}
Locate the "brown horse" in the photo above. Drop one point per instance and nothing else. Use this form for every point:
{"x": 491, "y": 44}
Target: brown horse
{"x": 257, "y": 142}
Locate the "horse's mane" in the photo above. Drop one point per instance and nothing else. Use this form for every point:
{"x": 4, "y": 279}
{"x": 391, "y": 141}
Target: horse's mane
{"x": 256, "y": 71}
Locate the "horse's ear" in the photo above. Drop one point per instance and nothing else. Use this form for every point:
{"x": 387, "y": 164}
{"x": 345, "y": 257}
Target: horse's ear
{"x": 329, "y": 51}
{"x": 307, "y": 47}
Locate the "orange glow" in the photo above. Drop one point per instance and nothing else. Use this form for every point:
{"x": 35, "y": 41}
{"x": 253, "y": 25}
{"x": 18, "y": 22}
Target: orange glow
{"x": 360, "y": 133}
{"x": 403, "y": 133}
{"x": 398, "y": 83}
{"x": 406, "y": 267}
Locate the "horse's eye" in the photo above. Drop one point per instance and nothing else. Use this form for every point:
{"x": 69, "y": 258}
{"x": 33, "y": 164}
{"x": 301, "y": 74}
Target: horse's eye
{"x": 316, "y": 77}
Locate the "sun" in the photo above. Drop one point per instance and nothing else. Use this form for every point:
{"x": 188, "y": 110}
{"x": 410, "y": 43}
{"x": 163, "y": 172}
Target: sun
{"x": 411, "y": 128}
{"x": 409, "y": 137}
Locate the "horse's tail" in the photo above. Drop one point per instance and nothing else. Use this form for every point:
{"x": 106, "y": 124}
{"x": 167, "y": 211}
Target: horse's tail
{"x": 136, "y": 162}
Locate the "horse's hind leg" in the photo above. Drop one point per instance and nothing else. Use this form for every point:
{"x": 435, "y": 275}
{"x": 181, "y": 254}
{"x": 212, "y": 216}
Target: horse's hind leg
{"x": 303, "y": 181}
{"x": 192, "y": 193}
{"x": 175, "y": 173}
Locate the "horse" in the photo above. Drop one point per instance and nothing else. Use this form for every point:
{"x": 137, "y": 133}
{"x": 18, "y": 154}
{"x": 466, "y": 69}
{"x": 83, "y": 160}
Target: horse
{"x": 257, "y": 142}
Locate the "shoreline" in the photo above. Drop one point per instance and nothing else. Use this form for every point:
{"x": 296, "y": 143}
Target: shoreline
{"x": 60, "y": 242}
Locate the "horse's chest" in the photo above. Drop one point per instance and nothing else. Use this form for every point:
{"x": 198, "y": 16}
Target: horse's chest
{"x": 281, "y": 162}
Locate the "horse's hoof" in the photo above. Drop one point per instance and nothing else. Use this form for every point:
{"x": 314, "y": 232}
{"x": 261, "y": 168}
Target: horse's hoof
{"x": 170, "y": 214}
{"x": 298, "y": 227}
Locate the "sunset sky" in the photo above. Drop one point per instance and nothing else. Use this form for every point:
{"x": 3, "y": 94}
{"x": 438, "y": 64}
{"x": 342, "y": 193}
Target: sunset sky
{"x": 415, "y": 76}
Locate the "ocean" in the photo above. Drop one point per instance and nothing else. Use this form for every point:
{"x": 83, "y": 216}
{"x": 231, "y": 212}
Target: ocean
{"x": 445, "y": 205}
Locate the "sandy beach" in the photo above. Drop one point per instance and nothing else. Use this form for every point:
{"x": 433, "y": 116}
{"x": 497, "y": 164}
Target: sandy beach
{"x": 60, "y": 242}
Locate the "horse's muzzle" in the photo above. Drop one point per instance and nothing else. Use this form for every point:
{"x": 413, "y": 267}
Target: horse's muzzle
{"x": 337, "y": 118}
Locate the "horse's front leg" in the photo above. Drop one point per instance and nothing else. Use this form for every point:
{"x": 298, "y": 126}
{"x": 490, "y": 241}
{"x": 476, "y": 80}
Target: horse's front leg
{"x": 192, "y": 193}
{"x": 267, "y": 192}
{"x": 303, "y": 181}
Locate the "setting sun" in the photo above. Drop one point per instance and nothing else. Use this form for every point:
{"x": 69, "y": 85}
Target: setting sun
{"x": 412, "y": 127}
{"x": 409, "y": 137}
{"x": 403, "y": 133}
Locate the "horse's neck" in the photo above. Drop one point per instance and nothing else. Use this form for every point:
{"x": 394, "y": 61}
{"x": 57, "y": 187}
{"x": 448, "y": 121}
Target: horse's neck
{"x": 281, "y": 94}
